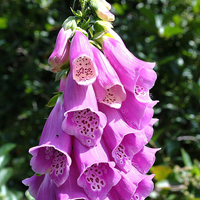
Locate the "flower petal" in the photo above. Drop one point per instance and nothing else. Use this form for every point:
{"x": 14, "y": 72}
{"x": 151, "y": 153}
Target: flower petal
{"x": 82, "y": 118}
{"x": 97, "y": 173}
{"x": 144, "y": 159}
{"x": 70, "y": 190}
{"x": 81, "y": 60}
{"x": 123, "y": 140}
{"x": 52, "y": 155}
{"x": 60, "y": 54}
{"x": 107, "y": 80}
{"x": 34, "y": 183}
{"x": 124, "y": 62}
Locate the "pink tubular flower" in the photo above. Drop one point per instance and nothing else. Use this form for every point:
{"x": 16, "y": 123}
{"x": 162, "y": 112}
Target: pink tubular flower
{"x": 52, "y": 155}
{"x": 129, "y": 183}
{"x": 127, "y": 66}
{"x": 123, "y": 140}
{"x": 70, "y": 190}
{"x": 144, "y": 159}
{"x": 41, "y": 187}
{"x": 97, "y": 173}
{"x": 82, "y": 118}
{"x": 60, "y": 55}
{"x": 136, "y": 114}
{"x": 144, "y": 188}
{"x": 81, "y": 60}
{"x": 108, "y": 87}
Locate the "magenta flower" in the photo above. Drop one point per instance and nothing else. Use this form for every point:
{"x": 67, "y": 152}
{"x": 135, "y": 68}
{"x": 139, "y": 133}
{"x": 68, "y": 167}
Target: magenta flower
{"x": 81, "y": 60}
{"x": 70, "y": 189}
{"x": 123, "y": 140}
{"x": 60, "y": 54}
{"x": 52, "y": 155}
{"x": 41, "y": 187}
{"x": 108, "y": 87}
{"x": 82, "y": 118}
{"x": 129, "y": 68}
{"x": 97, "y": 173}
{"x": 144, "y": 159}
{"x": 128, "y": 184}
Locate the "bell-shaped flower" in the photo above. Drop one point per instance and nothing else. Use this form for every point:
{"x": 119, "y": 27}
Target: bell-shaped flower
{"x": 107, "y": 86}
{"x": 136, "y": 114}
{"x": 145, "y": 187}
{"x": 52, "y": 155}
{"x": 102, "y": 8}
{"x": 128, "y": 184}
{"x": 148, "y": 129}
{"x": 126, "y": 64}
{"x": 123, "y": 140}
{"x": 82, "y": 118}
{"x": 60, "y": 54}
{"x": 41, "y": 187}
{"x": 70, "y": 190}
{"x": 144, "y": 83}
{"x": 82, "y": 60}
{"x": 144, "y": 159}
{"x": 97, "y": 173}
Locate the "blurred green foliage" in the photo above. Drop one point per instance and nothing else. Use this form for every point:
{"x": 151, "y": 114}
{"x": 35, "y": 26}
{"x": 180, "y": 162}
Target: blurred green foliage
{"x": 164, "y": 31}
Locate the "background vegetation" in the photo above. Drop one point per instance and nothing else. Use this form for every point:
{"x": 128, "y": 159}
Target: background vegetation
{"x": 165, "y": 31}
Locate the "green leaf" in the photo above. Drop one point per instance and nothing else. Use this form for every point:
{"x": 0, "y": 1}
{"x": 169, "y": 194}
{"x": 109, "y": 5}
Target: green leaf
{"x": 161, "y": 172}
{"x": 53, "y": 100}
{"x": 4, "y": 159}
{"x": 70, "y": 22}
{"x": 91, "y": 31}
{"x": 84, "y": 24}
{"x": 61, "y": 73}
{"x": 186, "y": 158}
{"x": 6, "y": 148}
{"x": 171, "y": 31}
{"x": 3, "y": 22}
{"x": 5, "y": 175}
{"x": 98, "y": 35}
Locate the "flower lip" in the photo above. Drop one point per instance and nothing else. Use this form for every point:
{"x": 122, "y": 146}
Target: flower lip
{"x": 49, "y": 160}
{"x": 81, "y": 60}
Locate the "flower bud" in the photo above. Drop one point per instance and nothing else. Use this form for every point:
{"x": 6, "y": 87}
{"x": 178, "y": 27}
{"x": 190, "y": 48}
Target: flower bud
{"x": 60, "y": 54}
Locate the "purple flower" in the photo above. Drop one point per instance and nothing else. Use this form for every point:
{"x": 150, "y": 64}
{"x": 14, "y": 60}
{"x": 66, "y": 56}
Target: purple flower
{"x": 108, "y": 87}
{"x": 131, "y": 70}
{"x": 52, "y": 155}
{"x": 82, "y": 118}
{"x": 144, "y": 159}
{"x": 97, "y": 173}
{"x": 60, "y": 55}
{"x": 144, "y": 188}
{"x": 41, "y": 187}
{"x": 123, "y": 140}
{"x": 70, "y": 190}
{"x": 128, "y": 184}
{"x": 81, "y": 60}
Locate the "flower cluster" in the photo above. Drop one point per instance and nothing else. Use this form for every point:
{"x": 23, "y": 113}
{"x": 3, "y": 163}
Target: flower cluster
{"x": 93, "y": 145}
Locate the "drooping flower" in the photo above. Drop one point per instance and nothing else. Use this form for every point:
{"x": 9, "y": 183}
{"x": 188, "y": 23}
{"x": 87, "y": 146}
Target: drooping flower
{"x": 128, "y": 184}
{"x": 136, "y": 114}
{"x": 127, "y": 65}
{"x": 123, "y": 140}
{"x": 60, "y": 54}
{"x": 41, "y": 187}
{"x": 81, "y": 60}
{"x": 70, "y": 189}
{"x": 108, "y": 87}
{"x": 82, "y": 118}
{"x": 144, "y": 159}
{"x": 52, "y": 155}
{"x": 97, "y": 172}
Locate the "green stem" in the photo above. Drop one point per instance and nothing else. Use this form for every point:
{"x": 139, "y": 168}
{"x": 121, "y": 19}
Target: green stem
{"x": 73, "y": 4}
